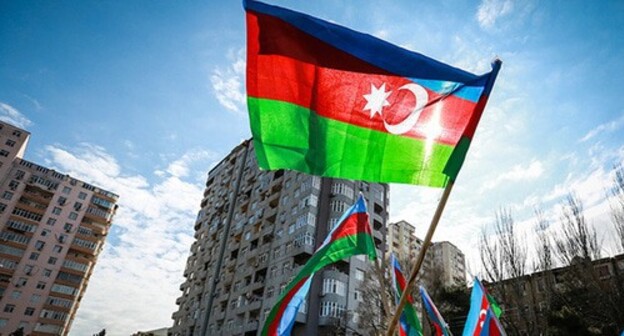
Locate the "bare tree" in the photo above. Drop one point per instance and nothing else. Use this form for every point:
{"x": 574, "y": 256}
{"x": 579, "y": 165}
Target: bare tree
{"x": 374, "y": 315}
{"x": 577, "y": 238}
{"x": 504, "y": 260}
{"x": 544, "y": 247}
{"x": 617, "y": 205}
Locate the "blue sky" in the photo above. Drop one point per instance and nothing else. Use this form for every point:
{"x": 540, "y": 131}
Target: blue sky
{"x": 142, "y": 97}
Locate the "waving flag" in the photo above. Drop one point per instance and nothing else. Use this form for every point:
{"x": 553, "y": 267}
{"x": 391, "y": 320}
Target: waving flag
{"x": 330, "y": 101}
{"x": 492, "y": 326}
{"x": 352, "y": 236}
{"x": 441, "y": 327}
{"x": 408, "y": 323}
{"x": 481, "y": 304}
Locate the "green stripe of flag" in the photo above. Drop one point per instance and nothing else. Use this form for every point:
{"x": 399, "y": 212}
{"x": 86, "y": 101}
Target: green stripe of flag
{"x": 347, "y": 246}
{"x": 288, "y": 136}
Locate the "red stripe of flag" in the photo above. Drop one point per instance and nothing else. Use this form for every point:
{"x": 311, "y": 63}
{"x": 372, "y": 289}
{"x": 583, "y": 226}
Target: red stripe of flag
{"x": 319, "y": 81}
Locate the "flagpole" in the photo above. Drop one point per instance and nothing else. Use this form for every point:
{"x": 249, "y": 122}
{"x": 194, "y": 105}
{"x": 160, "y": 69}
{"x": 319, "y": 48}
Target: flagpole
{"x": 421, "y": 257}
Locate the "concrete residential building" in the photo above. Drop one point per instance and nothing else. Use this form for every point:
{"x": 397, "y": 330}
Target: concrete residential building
{"x": 444, "y": 261}
{"x": 451, "y": 262}
{"x": 254, "y": 232}
{"x": 52, "y": 228}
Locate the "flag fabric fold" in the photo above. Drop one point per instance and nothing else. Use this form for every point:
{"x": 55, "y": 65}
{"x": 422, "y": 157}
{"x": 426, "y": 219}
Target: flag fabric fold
{"x": 483, "y": 314}
{"x": 409, "y": 325}
{"x": 330, "y": 101}
{"x": 436, "y": 318}
{"x": 492, "y": 326}
{"x": 351, "y": 236}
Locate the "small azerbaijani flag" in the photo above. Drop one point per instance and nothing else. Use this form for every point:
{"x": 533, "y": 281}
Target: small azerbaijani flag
{"x": 441, "y": 327}
{"x": 484, "y": 312}
{"x": 408, "y": 322}
{"x": 351, "y": 236}
{"x": 492, "y": 326}
{"x": 329, "y": 101}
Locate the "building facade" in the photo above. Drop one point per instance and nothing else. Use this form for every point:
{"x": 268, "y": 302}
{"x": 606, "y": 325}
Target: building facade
{"x": 444, "y": 263}
{"x": 52, "y": 228}
{"x": 254, "y": 232}
{"x": 451, "y": 264}
{"x": 595, "y": 288}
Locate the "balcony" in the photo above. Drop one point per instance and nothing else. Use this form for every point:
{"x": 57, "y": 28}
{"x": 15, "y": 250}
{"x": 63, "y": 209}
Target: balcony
{"x": 96, "y": 213}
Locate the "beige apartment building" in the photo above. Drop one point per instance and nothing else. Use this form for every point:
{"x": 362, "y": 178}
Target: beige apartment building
{"x": 52, "y": 228}
{"x": 254, "y": 232}
{"x": 444, "y": 262}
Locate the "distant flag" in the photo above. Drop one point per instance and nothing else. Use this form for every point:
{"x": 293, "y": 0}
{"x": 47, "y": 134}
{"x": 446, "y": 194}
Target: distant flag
{"x": 329, "y": 101}
{"x": 408, "y": 323}
{"x": 441, "y": 327}
{"x": 351, "y": 236}
{"x": 492, "y": 326}
{"x": 480, "y": 304}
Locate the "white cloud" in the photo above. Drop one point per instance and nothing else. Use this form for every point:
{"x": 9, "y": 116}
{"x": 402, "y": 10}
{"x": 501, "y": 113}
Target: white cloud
{"x": 491, "y": 10}
{"x": 12, "y": 116}
{"x": 610, "y": 126}
{"x": 517, "y": 173}
{"x": 136, "y": 280}
{"x": 227, "y": 83}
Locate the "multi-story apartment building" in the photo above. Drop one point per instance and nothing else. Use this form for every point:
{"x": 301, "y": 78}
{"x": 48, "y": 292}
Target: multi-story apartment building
{"x": 451, "y": 264}
{"x": 444, "y": 262}
{"x": 593, "y": 286}
{"x": 254, "y": 232}
{"x": 52, "y": 228}
{"x": 402, "y": 241}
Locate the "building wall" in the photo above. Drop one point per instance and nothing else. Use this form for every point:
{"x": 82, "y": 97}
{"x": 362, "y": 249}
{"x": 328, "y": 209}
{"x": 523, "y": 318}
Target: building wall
{"x": 452, "y": 263}
{"x": 52, "y": 228}
{"x": 254, "y": 232}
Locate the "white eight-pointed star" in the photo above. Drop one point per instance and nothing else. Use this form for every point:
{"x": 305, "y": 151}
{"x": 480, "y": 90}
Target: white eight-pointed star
{"x": 376, "y": 100}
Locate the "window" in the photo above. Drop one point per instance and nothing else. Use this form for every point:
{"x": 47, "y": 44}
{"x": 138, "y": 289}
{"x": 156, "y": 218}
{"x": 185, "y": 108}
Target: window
{"x": 68, "y": 227}
{"x": 359, "y": 274}
{"x": 21, "y": 282}
{"x": 3, "y": 322}
{"x": 77, "y": 206}
{"x": 338, "y": 206}
{"x": 56, "y": 211}
{"x": 62, "y": 200}
{"x": 45, "y": 232}
{"x": 4, "y": 153}
{"x": 7, "y": 195}
{"x": 333, "y": 309}
{"x": 73, "y": 215}
{"x": 57, "y": 248}
{"x": 35, "y": 298}
{"x": 51, "y": 221}
{"x": 357, "y": 295}
{"x": 10, "y": 143}
{"x": 39, "y": 245}
{"x": 334, "y": 286}
{"x": 82, "y": 195}
{"x": 16, "y": 294}
{"x": 9, "y": 308}
{"x": 29, "y": 311}
{"x": 47, "y": 273}
{"x": 41, "y": 285}
{"x": 28, "y": 269}
{"x": 52, "y": 261}
{"x": 66, "y": 190}
{"x": 34, "y": 256}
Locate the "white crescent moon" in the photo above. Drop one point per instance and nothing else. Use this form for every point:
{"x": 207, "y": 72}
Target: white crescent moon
{"x": 408, "y": 123}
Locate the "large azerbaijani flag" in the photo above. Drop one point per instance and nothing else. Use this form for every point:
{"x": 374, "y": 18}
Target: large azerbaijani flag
{"x": 408, "y": 321}
{"x": 329, "y": 101}
{"x": 351, "y": 236}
